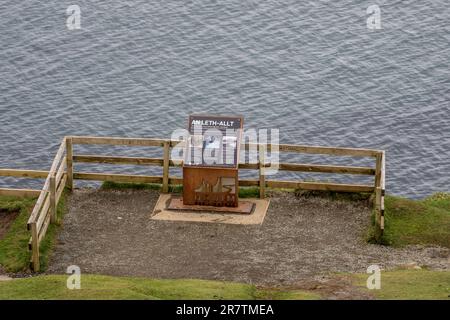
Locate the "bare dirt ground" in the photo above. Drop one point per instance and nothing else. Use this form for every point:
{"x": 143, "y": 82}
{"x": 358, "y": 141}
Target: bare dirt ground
{"x": 300, "y": 242}
{"x": 6, "y": 220}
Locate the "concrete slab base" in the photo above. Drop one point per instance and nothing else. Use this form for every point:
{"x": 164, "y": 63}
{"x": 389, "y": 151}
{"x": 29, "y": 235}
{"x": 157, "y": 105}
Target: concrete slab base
{"x": 163, "y": 212}
{"x": 176, "y": 203}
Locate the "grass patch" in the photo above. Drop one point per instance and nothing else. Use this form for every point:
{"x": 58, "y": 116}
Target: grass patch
{"x": 399, "y": 284}
{"x": 14, "y": 253}
{"x": 409, "y": 284}
{"x": 106, "y": 287}
{"x": 249, "y": 192}
{"x": 425, "y": 222}
{"x": 334, "y": 195}
{"x": 244, "y": 192}
{"x": 109, "y": 185}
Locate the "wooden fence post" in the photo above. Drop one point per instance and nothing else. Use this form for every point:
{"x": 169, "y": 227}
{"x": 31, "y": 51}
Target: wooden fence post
{"x": 377, "y": 200}
{"x": 165, "y": 186}
{"x": 53, "y": 204}
{"x": 262, "y": 178}
{"x": 69, "y": 163}
{"x": 383, "y": 189}
{"x": 35, "y": 264}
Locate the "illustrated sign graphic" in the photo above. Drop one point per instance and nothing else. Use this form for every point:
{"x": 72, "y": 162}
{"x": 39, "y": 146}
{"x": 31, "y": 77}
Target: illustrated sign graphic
{"x": 214, "y": 141}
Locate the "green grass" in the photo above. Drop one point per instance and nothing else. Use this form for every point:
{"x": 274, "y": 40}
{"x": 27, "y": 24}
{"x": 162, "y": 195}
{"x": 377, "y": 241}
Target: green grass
{"x": 246, "y": 192}
{"x": 249, "y": 192}
{"x": 409, "y": 284}
{"x": 334, "y": 195}
{"x": 14, "y": 253}
{"x": 425, "y": 222}
{"x": 109, "y": 185}
{"x": 107, "y": 287}
{"x": 399, "y": 284}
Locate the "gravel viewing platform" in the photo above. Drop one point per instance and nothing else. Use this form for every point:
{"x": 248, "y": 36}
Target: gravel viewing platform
{"x": 110, "y": 232}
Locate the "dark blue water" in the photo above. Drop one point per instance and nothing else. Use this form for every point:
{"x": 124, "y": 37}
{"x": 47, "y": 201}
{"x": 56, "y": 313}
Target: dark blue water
{"x": 310, "y": 68}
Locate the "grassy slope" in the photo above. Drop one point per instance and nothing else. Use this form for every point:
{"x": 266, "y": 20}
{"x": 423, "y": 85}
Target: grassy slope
{"x": 409, "y": 284}
{"x": 400, "y": 284}
{"x": 417, "y": 222}
{"x": 14, "y": 254}
{"x": 106, "y": 287}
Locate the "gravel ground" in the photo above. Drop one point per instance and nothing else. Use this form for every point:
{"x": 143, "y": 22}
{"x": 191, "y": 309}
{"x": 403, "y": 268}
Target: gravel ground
{"x": 110, "y": 232}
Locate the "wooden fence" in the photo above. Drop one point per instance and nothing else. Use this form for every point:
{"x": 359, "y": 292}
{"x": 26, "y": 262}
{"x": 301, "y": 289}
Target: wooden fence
{"x": 62, "y": 175}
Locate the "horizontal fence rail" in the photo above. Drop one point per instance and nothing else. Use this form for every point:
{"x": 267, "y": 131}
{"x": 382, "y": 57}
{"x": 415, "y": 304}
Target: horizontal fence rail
{"x": 61, "y": 175}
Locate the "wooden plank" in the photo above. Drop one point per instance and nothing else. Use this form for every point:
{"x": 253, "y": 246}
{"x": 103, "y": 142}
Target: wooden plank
{"x": 35, "y": 264}
{"x": 325, "y": 168}
{"x": 315, "y": 168}
{"x": 249, "y": 166}
{"x": 117, "y": 177}
{"x": 359, "y": 152}
{"x": 244, "y": 183}
{"x": 378, "y": 197}
{"x": 60, "y": 172}
{"x": 249, "y": 183}
{"x": 119, "y": 160}
{"x": 125, "y": 160}
{"x": 147, "y": 142}
{"x": 69, "y": 162}
{"x": 177, "y": 143}
{"x": 33, "y": 174}
{"x": 383, "y": 172}
{"x": 61, "y": 188}
{"x": 378, "y": 190}
{"x": 262, "y": 179}
{"x": 378, "y": 164}
{"x": 44, "y": 228}
{"x": 53, "y": 198}
{"x": 19, "y": 192}
{"x": 165, "y": 182}
{"x": 336, "y": 151}
{"x": 378, "y": 205}
{"x": 323, "y": 186}
{"x": 43, "y": 213}
{"x": 59, "y": 155}
{"x": 38, "y": 205}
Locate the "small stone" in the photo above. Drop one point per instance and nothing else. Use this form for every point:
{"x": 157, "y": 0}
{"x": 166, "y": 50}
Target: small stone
{"x": 410, "y": 265}
{"x": 5, "y": 278}
{"x": 120, "y": 218}
{"x": 417, "y": 268}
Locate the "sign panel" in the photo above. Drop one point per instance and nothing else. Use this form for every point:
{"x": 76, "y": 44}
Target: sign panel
{"x": 214, "y": 141}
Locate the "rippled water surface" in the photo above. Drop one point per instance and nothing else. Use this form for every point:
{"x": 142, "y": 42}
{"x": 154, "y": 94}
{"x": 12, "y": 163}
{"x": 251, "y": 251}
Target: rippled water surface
{"x": 310, "y": 68}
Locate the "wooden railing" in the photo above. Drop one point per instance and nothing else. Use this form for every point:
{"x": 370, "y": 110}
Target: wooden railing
{"x": 62, "y": 174}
